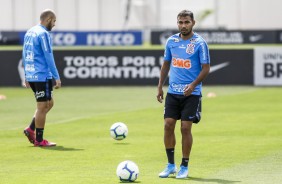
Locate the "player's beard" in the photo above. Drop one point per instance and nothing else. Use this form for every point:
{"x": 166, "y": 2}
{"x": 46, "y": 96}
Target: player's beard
{"x": 185, "y": 32}
{"x": 49, "y": 26}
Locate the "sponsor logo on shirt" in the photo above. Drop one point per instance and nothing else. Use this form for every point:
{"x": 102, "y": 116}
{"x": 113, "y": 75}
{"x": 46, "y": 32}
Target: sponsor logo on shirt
{"x": 35, "y": 77}
{"x": 28, "y": 43}
{"x": 193, "y": 40}
{"x": 31, "y": 33}
{"x": 176, "y": 40}
{"x": 44, "y": 43}
{"x": 181, "y": 63}
{"x": 29, "y": 56}
{"x": 178, "y": 87}
{"x": 182, "y": 46}
{"x": 29, "y": 68}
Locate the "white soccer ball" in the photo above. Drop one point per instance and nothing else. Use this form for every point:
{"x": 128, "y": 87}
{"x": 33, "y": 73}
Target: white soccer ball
{"x": 127, "y": 171}
{"x": 118, "y": 131}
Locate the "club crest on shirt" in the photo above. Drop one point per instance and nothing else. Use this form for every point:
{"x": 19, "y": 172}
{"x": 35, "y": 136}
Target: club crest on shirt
{"x": 190, "y": 48}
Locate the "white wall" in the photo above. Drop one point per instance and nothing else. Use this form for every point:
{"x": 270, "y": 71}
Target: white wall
{"x": 261, "y": 14}
{"x": 6, "y": 15}
{"x": 144, "y": 14}
{"x": 89, "y": 14}
{"x": 250, "y": 14}
{"x": 230, "y": 14}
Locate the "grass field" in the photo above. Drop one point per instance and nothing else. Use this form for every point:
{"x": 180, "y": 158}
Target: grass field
{"x": 239, "y": 139}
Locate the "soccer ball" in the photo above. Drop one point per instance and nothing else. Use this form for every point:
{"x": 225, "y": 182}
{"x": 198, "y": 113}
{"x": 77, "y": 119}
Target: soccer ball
{"x": 127, "y": 171}
{"x": 118, "y": 131}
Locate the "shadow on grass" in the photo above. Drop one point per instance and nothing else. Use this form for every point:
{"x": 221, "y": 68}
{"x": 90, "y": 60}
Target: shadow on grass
{"x": 122, "y": 143}
{"x": 212, "y": 180}
{"x": 61, "y": 148}
{"x": 130, "y": 181}
{"x": 206, "y": 180}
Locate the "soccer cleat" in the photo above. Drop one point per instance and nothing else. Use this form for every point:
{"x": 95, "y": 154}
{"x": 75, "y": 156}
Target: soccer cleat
{"x": 44, "y": 143}
{"x": 183, "y": 172}
{"x": 170, "y": 169}
{"x": 29, "y": 134}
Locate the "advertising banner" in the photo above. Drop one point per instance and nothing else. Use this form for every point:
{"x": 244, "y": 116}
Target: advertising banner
{"x": 268, "y": 66}
{"x": 222, "y": 37}
{"x": 98, "y": 38}
{"x": 9, "y": 38}
{"x": 132, "y": 67}
{"x": 128, "y": 67}
{"x": 109, "y": 67}
{"x": 231, "y": 67}
{"x": 279, "y": 36}
{"x": 10, "y": 68}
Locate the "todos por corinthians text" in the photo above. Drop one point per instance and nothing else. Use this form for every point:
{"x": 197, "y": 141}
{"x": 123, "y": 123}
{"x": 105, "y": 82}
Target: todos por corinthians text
{"x": 85, "y": 67}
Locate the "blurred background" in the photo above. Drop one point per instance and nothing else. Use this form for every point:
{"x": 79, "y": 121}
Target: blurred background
{"x": 82, "y": 15}
{"x": 120, "y": 42}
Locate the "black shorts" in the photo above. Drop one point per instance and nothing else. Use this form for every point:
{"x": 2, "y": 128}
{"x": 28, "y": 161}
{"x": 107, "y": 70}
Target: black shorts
{"x": 42, "y": 90}
{"x": 186, "y": 108}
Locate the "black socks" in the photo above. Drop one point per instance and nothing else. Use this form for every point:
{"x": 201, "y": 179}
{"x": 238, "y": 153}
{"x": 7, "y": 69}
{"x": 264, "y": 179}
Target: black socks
{"x": 39, "y": 134}
{"x": 185, "y": 162}
{"x": 32, "y": 124}
{"x": 170, "y": 155}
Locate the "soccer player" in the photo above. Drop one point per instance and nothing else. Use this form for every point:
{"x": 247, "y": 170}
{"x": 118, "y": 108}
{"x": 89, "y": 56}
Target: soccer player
{"x": 40, "y": 70}
{"x": 187, "y": 60}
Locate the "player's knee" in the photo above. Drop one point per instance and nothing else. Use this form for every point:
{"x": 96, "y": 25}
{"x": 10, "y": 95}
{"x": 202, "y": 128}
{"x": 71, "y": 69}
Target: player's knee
{"x": 185, "y": 129}
{"x": 50, "y": 104}
{"x": 169, "y": 127}
{"x": 43, "y": 107}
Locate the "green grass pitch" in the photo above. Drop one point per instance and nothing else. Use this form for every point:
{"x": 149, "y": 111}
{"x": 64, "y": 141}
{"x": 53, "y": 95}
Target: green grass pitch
{"x": 239, "y": 139}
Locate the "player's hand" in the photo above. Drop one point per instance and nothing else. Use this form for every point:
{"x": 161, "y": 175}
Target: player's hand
{"x": 188, "y": 89}
{"x": 58, "y": 84}
{"x": 160, "y": 95}
{"x": 26, "y": 84}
